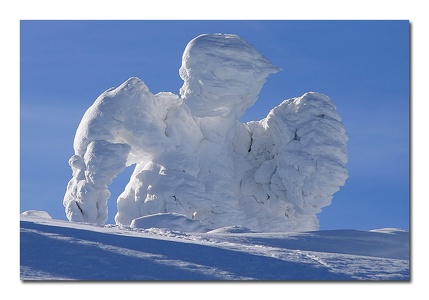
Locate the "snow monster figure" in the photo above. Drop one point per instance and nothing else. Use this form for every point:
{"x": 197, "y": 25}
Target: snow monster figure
{"x": 194, "y": 157}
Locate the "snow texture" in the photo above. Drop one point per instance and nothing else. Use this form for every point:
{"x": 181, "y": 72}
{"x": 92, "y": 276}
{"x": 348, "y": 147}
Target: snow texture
{"x": 193, "y": 157}
{"x": 60, "y": 250}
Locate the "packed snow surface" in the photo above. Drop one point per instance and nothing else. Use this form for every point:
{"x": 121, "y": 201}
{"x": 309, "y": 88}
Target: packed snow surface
{"x": 166, "y": 248}
{"x": 194, "y": 158}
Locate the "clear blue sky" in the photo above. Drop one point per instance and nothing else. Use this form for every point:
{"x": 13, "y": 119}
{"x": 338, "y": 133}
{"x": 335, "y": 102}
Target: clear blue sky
{"x": 363, "y": 66}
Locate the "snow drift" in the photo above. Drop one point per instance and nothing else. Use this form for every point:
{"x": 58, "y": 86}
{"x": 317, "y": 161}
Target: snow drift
{"x": 193, "y": 157}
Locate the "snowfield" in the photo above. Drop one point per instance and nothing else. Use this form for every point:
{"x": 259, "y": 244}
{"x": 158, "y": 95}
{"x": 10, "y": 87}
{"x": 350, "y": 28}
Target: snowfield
{"x": 166, "y": 248}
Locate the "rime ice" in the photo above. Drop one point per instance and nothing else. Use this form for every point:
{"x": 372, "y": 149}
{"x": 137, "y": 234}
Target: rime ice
{"x": 192, "y": 156}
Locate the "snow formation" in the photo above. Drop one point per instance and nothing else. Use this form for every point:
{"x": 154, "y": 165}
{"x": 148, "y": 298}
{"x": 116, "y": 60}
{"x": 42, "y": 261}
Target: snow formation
{"x": 194, "y": 158}
{"x": 37, "y": 214}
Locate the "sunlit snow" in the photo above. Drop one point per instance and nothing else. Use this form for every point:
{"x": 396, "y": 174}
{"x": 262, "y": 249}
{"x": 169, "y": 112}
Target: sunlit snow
{"x": 196, "y": 161}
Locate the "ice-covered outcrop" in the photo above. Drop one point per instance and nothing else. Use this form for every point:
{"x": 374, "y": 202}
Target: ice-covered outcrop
{"x": 194, "y": 158}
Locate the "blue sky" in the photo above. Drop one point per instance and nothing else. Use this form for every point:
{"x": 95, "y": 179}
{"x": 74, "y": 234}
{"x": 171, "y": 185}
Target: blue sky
{"x": 363, "y": 66}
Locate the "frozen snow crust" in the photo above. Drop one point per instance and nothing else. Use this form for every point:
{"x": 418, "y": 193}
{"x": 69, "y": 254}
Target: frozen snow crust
{"x": 194, "y": 159}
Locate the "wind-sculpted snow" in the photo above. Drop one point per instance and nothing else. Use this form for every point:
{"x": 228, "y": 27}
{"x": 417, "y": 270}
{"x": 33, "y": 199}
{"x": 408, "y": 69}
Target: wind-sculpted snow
{"x": 194, "y": 158}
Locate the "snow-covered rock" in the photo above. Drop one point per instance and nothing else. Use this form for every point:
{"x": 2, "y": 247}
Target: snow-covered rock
{"x": 193, "y": 157}
{"x": 40, "y": 214}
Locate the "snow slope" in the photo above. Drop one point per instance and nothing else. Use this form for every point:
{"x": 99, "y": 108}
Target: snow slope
{"x": 58, "y": 250}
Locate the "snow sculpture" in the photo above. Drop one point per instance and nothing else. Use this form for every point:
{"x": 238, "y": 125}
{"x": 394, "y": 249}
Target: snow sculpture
{"x": 193, "y": 157}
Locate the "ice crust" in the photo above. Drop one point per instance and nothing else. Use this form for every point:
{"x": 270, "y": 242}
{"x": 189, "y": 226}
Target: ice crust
{"x": 194, "y": 158}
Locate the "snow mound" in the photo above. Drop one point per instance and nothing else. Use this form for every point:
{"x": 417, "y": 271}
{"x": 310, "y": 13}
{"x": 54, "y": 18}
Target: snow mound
{"x": 192, "y": 155}
{"x": 37, "y": 214}
{"x": 170, "y": 221}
